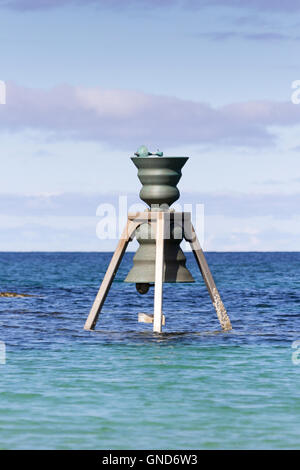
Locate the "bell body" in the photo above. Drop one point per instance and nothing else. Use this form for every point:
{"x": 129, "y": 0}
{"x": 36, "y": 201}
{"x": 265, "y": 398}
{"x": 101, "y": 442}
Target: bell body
{"x": 159, "y": 177}
{"x": 143, "y": 270}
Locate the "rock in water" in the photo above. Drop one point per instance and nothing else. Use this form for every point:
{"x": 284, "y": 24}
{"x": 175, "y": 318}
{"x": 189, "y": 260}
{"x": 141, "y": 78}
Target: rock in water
{"x": 12, "y": 294}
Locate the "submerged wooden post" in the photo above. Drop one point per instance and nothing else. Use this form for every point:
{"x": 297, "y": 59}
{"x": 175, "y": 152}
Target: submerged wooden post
{"x": 110, "y": 274}
{"x": 159, "y": 272}
{"x": 208, "y": 279}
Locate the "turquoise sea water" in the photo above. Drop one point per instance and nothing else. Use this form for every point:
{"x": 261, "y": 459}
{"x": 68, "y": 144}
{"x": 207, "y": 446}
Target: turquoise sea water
{"x": 122, "y": 387}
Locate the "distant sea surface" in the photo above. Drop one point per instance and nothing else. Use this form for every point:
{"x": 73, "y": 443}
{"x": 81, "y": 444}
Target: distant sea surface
{"x": 123, "y": 387}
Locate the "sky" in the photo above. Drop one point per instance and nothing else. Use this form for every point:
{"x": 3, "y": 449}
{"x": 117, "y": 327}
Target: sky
{"x": 88, "y": 82}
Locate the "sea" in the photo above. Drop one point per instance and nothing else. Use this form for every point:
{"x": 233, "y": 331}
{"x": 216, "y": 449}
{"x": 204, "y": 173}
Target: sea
{"x": 123, "y": 386}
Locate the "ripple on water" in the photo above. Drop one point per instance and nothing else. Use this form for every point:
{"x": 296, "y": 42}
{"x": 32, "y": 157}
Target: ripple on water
{"x": 122, "y": 386}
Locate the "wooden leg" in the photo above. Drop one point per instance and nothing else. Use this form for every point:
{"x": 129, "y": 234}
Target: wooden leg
{"x": 208, "y": 279}
{"x": 159, "y": 271}
{"x": 110, "y": 274}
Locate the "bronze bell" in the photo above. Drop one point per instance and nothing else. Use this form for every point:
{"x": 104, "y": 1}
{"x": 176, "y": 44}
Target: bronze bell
{"x": 159, "y": 176}
{"x": 143, "y": 270}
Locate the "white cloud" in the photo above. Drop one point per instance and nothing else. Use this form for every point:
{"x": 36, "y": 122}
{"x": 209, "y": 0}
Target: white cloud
{"x": 122, "y": 118}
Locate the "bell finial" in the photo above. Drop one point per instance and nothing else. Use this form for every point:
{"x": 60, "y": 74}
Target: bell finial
{"x": 143, "y": 151}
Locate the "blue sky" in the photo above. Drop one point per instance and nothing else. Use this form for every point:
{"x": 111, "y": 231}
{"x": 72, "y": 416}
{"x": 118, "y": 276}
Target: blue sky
{"x": 89, "y": 81}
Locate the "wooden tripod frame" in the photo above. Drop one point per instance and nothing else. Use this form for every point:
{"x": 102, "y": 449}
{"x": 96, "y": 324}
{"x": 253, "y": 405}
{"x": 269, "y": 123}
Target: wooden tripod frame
{"x": 159, "y": 219}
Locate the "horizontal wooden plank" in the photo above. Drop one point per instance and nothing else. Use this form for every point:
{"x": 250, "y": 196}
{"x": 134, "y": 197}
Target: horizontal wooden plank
{"x": 148, "y": 318}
